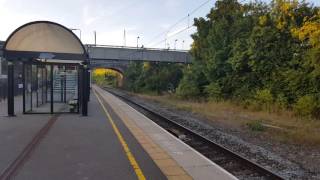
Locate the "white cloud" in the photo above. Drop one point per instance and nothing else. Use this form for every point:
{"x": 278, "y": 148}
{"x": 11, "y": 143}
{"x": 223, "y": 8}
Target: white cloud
{"x": 2, "y": 2}
{"x": 12, "y": 19}
{"x": 88, "y": 17}
{"x": 172, "y": 3}
{"x": 164, "y": 25}
{"x": 131, "y": 29}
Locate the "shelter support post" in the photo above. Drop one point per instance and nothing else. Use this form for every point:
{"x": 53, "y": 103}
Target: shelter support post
{"x": 51, "y": 89}
{"x": 10, "y": 89}
{"x": 79, "y": 88}
{"x": 88, "y": 72}
{"x": 90, "y": 79}
{"x": 23, "y": 88}
{"x": 37, "y": 86}
{"x": 84, "y": 87}
{"x": 65, "y": 86}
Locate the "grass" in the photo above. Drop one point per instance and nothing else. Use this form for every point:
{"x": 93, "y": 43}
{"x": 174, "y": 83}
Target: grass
{"x": 282, "y": 125}
{"x": 256, "y": 126}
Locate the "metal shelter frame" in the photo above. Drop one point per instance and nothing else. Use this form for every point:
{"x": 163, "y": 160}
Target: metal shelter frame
{"x": 16, "y": 49}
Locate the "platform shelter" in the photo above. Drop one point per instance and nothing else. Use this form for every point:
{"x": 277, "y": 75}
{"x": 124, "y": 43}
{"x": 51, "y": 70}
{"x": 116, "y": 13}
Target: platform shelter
{"x": 55, "y": 77}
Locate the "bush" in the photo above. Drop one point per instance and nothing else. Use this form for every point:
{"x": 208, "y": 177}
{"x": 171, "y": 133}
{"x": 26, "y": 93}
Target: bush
{"x": 306, "y": 106}
{"x": 281, "y": 103}
{"x": 187, "y": 89}
{"x": 214, "y": 91}
{"x": 256, "y": 126}
{"x": 263, "y": 99}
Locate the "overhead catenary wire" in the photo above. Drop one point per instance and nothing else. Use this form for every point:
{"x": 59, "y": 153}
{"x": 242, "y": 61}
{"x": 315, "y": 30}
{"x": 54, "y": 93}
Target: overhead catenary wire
{"x": 166, "y": 31}
{"x": 178, "y": 22}
{"x": 184, "y": 29}
{"x": 172, "y": 35}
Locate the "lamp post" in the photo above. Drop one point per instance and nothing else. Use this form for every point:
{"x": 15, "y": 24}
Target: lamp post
{"x": 138, "y": 41}
{"x": 74, "y": 29}
{"x": 95, "y": 38}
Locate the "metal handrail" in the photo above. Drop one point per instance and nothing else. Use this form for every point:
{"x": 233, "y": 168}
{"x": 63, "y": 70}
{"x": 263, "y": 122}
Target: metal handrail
{"x": 135, "y": 48}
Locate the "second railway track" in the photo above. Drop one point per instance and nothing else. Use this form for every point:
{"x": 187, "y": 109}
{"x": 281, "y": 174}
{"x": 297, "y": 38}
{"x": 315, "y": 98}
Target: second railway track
{"x": 234, "y": 163}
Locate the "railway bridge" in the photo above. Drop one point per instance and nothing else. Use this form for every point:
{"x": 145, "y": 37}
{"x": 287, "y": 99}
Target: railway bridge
{"x": 119, "y": 57}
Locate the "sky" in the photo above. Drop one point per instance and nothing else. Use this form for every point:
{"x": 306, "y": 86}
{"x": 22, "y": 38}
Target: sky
{"x": 150, "y": 20}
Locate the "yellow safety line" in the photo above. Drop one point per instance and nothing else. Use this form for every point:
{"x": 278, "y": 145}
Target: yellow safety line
{"x": 125, "y": 146}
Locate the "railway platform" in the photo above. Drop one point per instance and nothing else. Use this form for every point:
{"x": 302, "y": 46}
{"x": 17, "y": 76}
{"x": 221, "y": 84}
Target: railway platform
{"x": 113, "y": 142}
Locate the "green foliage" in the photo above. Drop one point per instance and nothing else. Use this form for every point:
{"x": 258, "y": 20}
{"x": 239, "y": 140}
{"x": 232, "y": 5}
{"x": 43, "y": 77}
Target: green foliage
{"x": 187, "y": 89}
{"x": 105, "y": 80}
{"x": 214, "y": 91}
{"x": 264, "y": 55}
{"x": 264, "y": 99}
{"x": 192, "y": 84}
{"x": 152, "y": 77}
{"x": 132, "y": 76}
{"x": 306, "y": 106}
{"x": 111, "y": 80}
{"x": 281, "y": 103}
{"x": 99, "y": 80}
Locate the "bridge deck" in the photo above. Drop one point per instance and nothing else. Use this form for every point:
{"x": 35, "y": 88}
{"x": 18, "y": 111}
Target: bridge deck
{"x": 138, "y": 54}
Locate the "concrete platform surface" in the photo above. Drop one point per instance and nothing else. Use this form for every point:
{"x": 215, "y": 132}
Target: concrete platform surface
{"x": 173, "y": 153}
{"x": 16, "y": 133}
{"x": 75, "y": 148}
{"x": 78, "y": 147}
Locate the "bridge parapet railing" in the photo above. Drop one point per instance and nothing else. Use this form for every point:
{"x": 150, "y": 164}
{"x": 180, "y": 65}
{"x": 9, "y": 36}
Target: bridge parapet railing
{"x": 135, "y": 48}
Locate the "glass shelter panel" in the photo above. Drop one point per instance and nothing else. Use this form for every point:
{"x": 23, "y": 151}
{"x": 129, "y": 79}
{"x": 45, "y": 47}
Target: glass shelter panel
{"x": 65, "y": 88}
{"x": 50, "y": 88}
{"x": 27, "y": 88}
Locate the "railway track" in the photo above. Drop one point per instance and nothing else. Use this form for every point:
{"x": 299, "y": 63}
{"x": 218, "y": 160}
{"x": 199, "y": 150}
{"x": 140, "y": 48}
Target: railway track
{"x": 234, "y": 163}
{"x": 12, "y": 170}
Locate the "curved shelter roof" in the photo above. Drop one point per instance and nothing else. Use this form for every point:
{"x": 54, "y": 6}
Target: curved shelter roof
{"x": 44, "y": 40}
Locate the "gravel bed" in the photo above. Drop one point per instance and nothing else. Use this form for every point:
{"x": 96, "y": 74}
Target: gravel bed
{"x": 253, "y": 147}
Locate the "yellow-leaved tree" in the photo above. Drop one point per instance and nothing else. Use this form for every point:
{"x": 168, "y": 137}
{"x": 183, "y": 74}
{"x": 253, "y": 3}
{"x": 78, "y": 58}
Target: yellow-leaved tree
{"x": 310, "y": 31}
